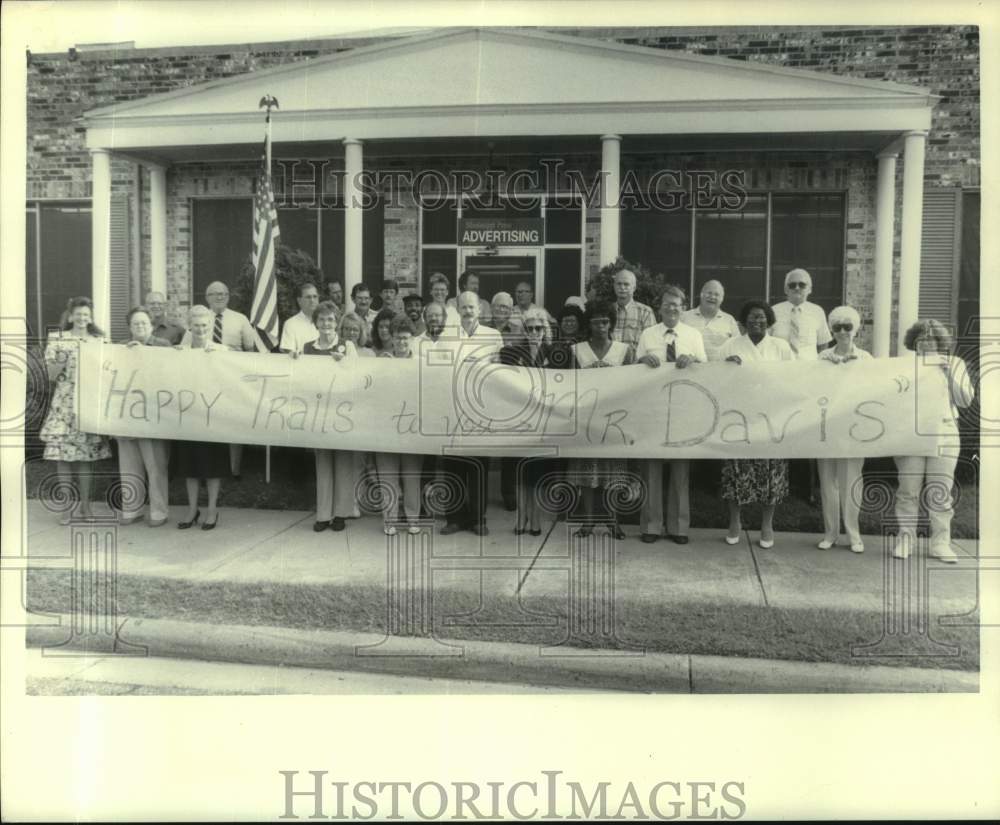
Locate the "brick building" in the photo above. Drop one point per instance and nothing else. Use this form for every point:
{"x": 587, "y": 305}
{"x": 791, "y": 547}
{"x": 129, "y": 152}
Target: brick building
{"x": 855, "y": 153}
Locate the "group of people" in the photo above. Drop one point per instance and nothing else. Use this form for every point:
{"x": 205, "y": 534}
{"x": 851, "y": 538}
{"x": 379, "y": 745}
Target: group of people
{"x": 514, "y": 330}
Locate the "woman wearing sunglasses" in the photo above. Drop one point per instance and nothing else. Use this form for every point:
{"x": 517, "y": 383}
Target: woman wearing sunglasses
{"x": 840, "y": 478}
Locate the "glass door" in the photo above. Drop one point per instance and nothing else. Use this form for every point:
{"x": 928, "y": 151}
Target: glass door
{"x": 503, "y": 271}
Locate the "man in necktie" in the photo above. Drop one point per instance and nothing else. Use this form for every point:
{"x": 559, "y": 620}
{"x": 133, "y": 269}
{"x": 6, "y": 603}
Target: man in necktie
{"x": 800, "y": 322}
{"x": 674, "y": 343}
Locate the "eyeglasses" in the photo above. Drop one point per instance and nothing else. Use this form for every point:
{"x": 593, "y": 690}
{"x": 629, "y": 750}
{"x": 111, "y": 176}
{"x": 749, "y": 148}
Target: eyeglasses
{"x": 797, "y": 285}
{"x": 535, "y": 327}
{"x": 842, "y": 327}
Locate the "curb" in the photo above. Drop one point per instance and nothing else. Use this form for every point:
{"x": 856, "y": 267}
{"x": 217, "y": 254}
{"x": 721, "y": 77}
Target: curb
{"x": 605, "y": 670}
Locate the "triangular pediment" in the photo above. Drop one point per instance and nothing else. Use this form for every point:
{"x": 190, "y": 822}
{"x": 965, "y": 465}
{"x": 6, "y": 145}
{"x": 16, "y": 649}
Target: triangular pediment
{"x": 503, "y": 67}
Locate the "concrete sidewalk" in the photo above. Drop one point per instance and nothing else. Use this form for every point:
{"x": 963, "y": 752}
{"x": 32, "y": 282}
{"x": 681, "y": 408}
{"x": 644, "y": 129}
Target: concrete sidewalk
{"x": 268, "y": 567}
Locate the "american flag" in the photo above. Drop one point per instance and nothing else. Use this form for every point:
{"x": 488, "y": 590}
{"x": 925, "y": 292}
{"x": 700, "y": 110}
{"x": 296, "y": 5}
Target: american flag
{"x": 264, "y": 310}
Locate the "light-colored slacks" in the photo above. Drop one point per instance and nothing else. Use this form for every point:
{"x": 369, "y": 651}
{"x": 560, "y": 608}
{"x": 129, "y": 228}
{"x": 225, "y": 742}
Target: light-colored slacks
{"x": 337, "y": 475}
{"x": 143, "y": 462}
{"x": 840, "y": 488}
{"x": 402, "y": 472}
{"x": 678, "y": 498}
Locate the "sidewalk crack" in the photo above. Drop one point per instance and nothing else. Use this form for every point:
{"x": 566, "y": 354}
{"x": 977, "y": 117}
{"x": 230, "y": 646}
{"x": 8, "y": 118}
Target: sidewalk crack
{"x": 756, "y": 569}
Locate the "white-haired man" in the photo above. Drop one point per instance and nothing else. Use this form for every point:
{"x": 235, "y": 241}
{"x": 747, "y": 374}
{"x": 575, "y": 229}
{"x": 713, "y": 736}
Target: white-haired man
{"x": 801, "y": 323}
{"x": 716, "y": 326}
{"x": 633, "y": 317}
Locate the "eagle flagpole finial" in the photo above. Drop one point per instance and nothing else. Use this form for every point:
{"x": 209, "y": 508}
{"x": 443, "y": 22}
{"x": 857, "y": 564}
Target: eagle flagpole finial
{"x": 269, "y": 102}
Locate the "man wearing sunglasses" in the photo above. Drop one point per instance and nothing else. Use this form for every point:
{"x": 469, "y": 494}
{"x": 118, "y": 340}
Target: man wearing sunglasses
{"x": 801, "y": 323}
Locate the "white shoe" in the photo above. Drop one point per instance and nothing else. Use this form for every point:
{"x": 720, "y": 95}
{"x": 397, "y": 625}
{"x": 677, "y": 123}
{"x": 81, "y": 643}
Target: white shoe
{"x": 413, "y": 530}
{"x": 857, "y": 547}
{"x": 732, "y": 539}
{"x": 766, "y": 544}
{"x": 389, "y": 530}
{"x": 943, "y": 552}
{"x": 826, "y": 544}
{"x": 901, "y": 549}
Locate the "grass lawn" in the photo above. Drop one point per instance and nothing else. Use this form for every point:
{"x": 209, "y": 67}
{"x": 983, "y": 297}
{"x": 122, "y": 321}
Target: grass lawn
{"x": 293, "y": 487}
{"x": 804, "y": 634}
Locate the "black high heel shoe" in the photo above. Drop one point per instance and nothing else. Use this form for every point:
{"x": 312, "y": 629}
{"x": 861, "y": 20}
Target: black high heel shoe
{"x": 184, "y": 525}
{"x": 207, "y": 526}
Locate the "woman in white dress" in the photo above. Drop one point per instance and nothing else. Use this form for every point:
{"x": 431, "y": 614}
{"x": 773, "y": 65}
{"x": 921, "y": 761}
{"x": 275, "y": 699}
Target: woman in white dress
{"x": 598, "y": 350}
{"x": 840, "y": 478}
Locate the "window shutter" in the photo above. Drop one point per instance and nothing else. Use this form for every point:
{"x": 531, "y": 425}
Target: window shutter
{"x": 120, "y": 270}
{"x": 939, "y": 254}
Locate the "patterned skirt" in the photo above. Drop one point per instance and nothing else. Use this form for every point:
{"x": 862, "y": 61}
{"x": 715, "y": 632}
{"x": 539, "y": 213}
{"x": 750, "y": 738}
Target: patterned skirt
{"x": 755, "y": 480}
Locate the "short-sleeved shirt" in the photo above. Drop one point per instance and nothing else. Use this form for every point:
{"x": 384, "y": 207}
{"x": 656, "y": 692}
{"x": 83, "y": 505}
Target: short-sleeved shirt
{"x": 237, "y": 334}
{"x": 298, "y": 331}
{"x": 715, "y": 331}
{"x": 171, "y": 333}
{"x": 803, "y": 327}
{"x": 633, "y": 319}
{"x": 687, "y": 341}
{"x": 769, "y": 349}
{"x": 485, "y": 309}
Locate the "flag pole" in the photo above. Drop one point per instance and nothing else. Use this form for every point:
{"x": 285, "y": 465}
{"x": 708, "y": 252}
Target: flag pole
{"x": 267, "y": 101}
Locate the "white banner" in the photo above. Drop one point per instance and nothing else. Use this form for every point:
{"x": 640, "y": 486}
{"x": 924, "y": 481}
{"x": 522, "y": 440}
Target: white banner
{"x": 447, "y": 401}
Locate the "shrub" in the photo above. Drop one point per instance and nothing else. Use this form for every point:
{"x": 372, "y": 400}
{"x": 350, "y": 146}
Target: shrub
{"x": 648, "y": 287}
{"x": 292, "y": 268}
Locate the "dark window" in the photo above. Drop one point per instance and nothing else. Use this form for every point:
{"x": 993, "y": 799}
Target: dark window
{"x": 562, "y": 223}
{"x": 968, "y": 274}
{"x": 562, "y": 277}
{"x": 33, "y": 287}
{"x": 222, "y": 241}
{"x": 299, "y": 229}
{"x": 659, "y": 240}
{"x": 731, "y": 247}
{"x": 440, "y": 223}
{"x": 64, "y": 261}
{"x": 807, "y": 231}
{"x": 372, "y": 245}
{"x": 439, "y": 260}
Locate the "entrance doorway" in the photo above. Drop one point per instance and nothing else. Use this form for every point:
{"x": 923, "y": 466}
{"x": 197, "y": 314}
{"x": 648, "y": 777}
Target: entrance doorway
{"x": 503, "y": 271}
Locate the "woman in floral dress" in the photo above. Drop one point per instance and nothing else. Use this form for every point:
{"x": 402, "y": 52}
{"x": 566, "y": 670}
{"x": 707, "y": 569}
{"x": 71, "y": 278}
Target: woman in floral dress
{"x": 762, "y": 481}
{"x": 73, "y": 451}
{"x": 598, "y": 350}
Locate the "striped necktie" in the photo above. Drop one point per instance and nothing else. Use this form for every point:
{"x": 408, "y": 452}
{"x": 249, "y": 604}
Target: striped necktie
{"x": 217, "y": 330}
{"x": 793, "y": 328}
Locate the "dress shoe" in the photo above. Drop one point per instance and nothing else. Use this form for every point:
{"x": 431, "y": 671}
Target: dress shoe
{"x": 583, "y": 532}
{"x": 826, "y": 544}
{"x": 534, "y": 532}
{"x": 858, "y": 547}
{"x": 648, "y": 538}
{"x": 732, "y": 540}
{"x": 338, "y": 524}
{"x": 320, "y": 526}
{"x": 450, "y": 528}
{"x": 766, "y": 544}
{"x": 125, "y": 522}
{"x": 943, "y": 552}
{"x": 210, "y": 525}
{"x": 184, "y": 525}
{"x": 159, "y": 522}
{"x": 389, "y": 530}
{"x": 509, "y": 505}
{"x": 678, "y": 539}
{"x": 616, "y": 531}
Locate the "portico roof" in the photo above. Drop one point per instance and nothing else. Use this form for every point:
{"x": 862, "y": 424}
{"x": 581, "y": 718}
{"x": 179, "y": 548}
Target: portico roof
{"x": 505, "y": 83}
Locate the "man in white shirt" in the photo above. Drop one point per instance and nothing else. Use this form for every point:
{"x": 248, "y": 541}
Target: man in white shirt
{"x": 476, "y": 342}
{"x": 668, "y": 342}
{"x": 716, "y": 326}
{"x": 801, "y": 323}
{"x": 632, "y": 317}
{"x": 469, "y": 281}
{"x": 299, "y": 330}
{"x": 231, "y": 328}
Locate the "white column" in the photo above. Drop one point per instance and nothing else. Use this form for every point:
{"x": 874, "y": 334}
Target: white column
{"x": 885, "y": 218}
{"x": 353, "y": 214}
{"x": 913, "y": 208}
{"x": 158, "y": 228}
{"x": 100, "y": 262}
{"x": 611, "y": 146}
